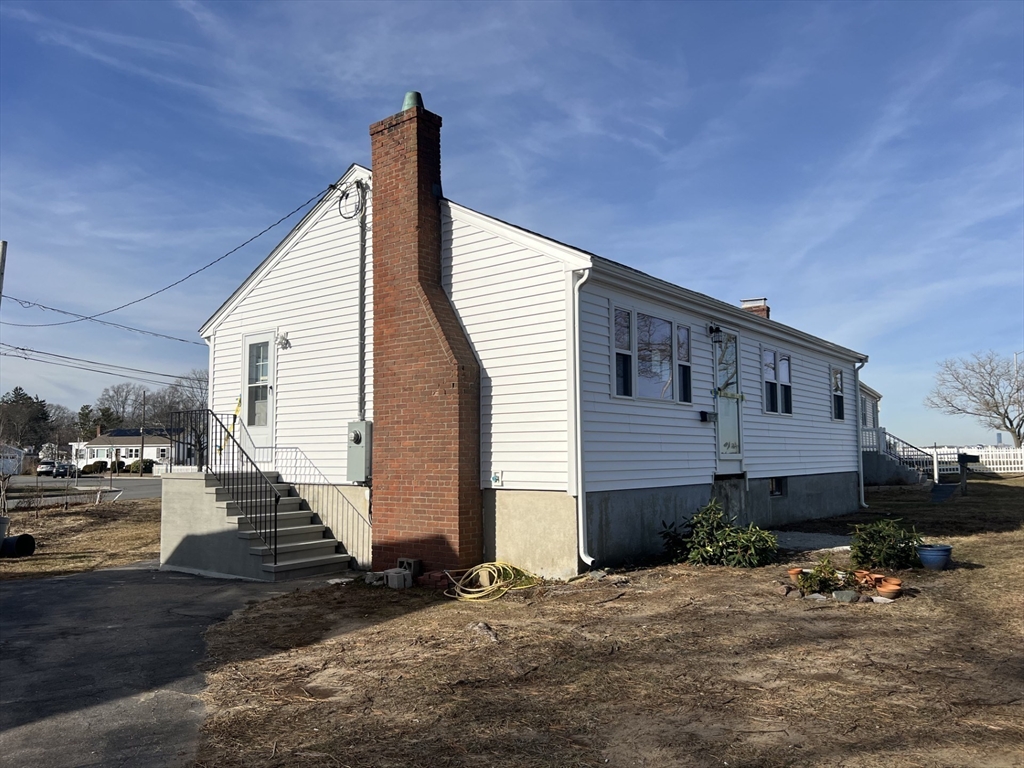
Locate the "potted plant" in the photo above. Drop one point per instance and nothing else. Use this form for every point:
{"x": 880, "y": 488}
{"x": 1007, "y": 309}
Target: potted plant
{"x": 935, "y": 557}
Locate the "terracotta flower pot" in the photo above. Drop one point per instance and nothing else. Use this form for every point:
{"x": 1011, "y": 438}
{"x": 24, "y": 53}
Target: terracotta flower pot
{"x": 876, "y": 578}
{"x": 862, "y": 577}
{"x": 794, "y": 574}
{"x": 890, "y": 592}
{"x": 892, "y": 581}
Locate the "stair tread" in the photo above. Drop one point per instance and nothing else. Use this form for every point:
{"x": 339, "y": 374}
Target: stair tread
{"x": 295, "y": 546}
{"x": 287, "y": 530}
{"x": 312, "y": 561}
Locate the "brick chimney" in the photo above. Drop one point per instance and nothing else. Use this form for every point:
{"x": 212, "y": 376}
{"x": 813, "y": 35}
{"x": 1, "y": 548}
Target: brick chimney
{"x": 426, "y": 379}
{"x": 758, "y": 307}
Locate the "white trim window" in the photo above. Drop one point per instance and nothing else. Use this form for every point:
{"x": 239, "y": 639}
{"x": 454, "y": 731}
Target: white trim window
{"x": 776, "y": 368}
{"x": 623, "y": 353}
{"x": 838, "y": 400}
{"x": 685, "y": 375}
{"x": 651, "y": 355}
{"x": 131, "y": 453}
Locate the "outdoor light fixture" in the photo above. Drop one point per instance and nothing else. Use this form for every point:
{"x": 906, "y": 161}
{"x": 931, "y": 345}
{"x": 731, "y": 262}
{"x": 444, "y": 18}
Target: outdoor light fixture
{"x": 715, "y": 332}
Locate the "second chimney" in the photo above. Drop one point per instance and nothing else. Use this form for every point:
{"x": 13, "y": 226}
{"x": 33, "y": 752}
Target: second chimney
{"x": 758, "y": 307}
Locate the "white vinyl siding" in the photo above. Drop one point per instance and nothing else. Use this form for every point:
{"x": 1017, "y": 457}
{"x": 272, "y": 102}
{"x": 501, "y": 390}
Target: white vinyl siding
{"x": 511, "y": 302}
{"x": 647, "y": 444}
{"x": 311, "y": 293}
{"x": 640, "y": 443}
{"x": 806, "y": 443}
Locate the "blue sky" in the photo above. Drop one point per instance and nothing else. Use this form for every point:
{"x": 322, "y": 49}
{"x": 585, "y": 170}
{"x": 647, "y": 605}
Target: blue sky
{"x": 860, "y": 164}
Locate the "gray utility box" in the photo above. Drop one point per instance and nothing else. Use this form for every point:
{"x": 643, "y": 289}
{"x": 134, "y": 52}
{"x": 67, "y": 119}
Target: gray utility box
{"x": 360, "y": 441}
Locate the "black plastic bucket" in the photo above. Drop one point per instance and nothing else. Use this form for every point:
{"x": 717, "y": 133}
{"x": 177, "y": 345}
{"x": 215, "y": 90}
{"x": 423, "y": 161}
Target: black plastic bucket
{"x": 18, "y": 546}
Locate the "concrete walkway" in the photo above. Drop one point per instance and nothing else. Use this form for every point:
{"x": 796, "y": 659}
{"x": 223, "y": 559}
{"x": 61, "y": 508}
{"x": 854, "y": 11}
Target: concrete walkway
{"x": 98, "y": 669}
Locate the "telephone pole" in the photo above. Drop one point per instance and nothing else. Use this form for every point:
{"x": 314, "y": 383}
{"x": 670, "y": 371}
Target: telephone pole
{"x": 3, "y": 264}
{"x": 142, "y": 435}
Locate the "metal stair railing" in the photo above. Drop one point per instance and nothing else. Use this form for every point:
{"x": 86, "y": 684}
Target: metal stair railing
{"x": 202, "y": 441}
{"x": 347, "y": 524}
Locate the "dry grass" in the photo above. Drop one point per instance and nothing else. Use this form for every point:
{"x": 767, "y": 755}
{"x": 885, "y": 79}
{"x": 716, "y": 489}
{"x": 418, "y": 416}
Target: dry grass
{"x": 667, "y": 666}
{"x": 84, "y": 538}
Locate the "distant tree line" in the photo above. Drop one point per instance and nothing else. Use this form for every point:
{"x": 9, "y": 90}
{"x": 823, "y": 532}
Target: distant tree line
{"x": 29, "y": 422}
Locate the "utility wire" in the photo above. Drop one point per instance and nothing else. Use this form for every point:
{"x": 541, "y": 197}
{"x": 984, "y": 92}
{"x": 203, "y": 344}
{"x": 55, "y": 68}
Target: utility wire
{"x": 191, "y": 274}
{"x": 26, "y": 350}
{"x": 27, "y": 304}
{"x": 91, "y": 370}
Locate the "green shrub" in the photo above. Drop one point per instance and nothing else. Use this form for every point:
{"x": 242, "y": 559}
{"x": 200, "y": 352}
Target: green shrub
{"x": 823, "y": 577}
{"x": 147, "y": 467}
{"x": 95, "y": 468}
{"x": 710, "y": 537}
{"x": 884, "y": 544}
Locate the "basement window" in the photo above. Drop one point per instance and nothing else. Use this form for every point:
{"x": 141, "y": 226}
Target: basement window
{"x": 777, "y": 486}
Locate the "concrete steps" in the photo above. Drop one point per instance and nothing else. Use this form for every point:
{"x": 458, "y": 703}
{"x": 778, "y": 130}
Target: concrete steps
{"x": 303, "y": 546}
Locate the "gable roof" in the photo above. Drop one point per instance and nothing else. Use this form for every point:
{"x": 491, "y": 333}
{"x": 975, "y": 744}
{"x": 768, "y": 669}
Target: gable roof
{"x": 619, "y": 275}
{"x": 354, "y": 170}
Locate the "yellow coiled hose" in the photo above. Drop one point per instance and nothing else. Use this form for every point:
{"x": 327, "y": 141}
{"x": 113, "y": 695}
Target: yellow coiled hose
{"x": 489, "y": 581}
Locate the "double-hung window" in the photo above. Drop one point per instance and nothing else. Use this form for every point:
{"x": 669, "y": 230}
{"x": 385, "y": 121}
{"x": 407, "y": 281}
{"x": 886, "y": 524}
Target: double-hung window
{"x": 838, "y": 405}
{"x": 778, "y": 387}
{"x": 651, "y": 355}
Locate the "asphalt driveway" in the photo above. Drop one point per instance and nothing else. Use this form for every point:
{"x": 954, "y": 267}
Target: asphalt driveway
{"x": 98, "y": 669}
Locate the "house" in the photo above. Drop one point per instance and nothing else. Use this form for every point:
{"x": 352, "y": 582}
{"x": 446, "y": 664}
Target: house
{"x": 123, "y": 445}
{"x": 519, "y": 399}
{"x": 11, "y": 459}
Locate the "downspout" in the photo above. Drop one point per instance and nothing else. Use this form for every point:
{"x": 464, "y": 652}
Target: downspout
{"x": 860, "y": 432}
{"x": 361, "y": 408}
{"x": 577, "y": 389}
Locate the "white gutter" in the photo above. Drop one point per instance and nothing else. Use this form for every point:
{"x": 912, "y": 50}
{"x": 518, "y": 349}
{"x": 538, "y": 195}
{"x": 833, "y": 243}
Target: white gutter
{"x": 577, "y": 390}
{"x": 860, "y": 432}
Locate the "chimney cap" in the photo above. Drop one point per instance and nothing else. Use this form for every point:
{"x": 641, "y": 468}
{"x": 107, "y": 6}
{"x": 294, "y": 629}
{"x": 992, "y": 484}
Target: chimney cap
{"x": 412, "y": 99}
{"x": 747, "y": 303}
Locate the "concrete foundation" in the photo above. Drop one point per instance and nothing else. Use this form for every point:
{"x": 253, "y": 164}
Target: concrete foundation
{"x": 533, "y": 530}
{"x": 623, "y": 525}
{"x": 879, "y": 469}
{"x": 196, "y": 534}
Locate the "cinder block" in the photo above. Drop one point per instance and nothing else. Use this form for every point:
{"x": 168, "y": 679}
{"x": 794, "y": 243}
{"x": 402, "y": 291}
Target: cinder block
{"x": 398, "y": 578}
{"x": 415, "y": 567}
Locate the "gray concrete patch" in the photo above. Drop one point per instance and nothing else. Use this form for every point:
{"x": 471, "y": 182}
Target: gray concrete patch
{"x": 99, "y": 669}
{"x": 810, "y": 542}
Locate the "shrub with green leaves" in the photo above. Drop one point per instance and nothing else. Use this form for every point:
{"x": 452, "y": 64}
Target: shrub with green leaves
{"x": 884, "y": 544}
{"x": 710, "y": 537}
{"x": 147, "y": 467}
{"x": 823, "y": 577}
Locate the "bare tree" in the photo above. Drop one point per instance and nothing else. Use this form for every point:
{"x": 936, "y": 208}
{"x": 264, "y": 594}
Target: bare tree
{"x": 985, "y": 386}
{"x": 193, "y": 389}
{"x": 124, "y": 401}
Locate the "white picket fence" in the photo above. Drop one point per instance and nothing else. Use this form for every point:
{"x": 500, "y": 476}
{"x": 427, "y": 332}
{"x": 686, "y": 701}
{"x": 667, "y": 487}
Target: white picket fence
{"x": 997, "y": 461}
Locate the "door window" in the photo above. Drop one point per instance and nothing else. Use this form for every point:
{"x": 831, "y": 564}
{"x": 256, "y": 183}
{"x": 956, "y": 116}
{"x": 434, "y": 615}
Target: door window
{"x": 259, "y": 379}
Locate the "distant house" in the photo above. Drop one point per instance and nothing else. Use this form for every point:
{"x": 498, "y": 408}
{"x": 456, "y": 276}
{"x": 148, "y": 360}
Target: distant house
{"x": 529, "y": 401}
{"x": 11, "y": 460}
{"x": 123, "y": 445}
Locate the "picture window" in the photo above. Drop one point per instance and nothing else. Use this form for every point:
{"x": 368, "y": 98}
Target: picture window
{"x": 652, "y": 357}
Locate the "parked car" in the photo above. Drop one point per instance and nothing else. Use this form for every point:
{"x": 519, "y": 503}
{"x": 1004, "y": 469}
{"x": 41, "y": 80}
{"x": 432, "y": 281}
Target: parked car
{"x": 45, "y": 467}
{"x": 65, "y": 470}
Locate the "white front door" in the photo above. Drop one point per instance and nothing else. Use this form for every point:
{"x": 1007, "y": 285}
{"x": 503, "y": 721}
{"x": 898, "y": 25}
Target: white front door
{"x": 730, "y": 404}
{"x": 258, "y": 389}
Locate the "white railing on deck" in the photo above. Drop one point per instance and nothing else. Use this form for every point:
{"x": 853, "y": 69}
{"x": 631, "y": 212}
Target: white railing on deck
{"x": 999, "y": 461}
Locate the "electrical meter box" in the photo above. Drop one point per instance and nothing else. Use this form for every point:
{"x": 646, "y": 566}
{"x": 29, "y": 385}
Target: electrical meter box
{"x": 360, "y": 440}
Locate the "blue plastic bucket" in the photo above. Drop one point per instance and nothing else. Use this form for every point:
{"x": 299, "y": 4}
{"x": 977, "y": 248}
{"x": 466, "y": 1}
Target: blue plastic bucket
{"x": 935, "y": 557}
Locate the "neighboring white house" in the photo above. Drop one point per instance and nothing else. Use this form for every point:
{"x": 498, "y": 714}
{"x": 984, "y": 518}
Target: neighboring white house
{"x": 11, "y": 460}
{"x": 122, "y": 445}
{"x": 610, "y": 401}
{"x": 869, "y": 404}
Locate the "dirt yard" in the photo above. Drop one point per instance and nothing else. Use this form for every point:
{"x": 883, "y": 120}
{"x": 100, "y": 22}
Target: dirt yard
{"x": 666, "y": 666}
{"x": 84, "y": 538}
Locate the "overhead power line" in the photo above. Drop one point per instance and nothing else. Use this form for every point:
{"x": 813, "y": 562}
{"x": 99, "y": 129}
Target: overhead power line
{"x": 26, "y": 303}
{"x": 237, "y": 248}
{"x": 76, "y": 362}
{"x": 91, "y": 370}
